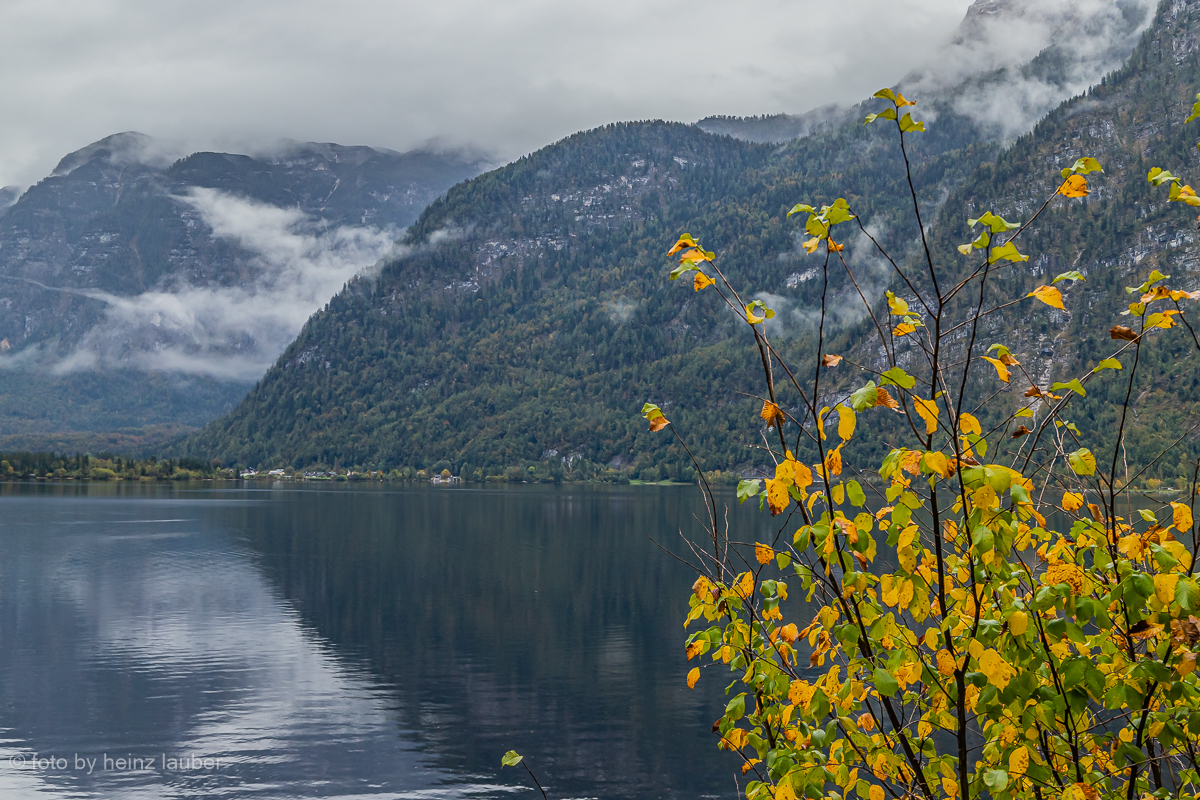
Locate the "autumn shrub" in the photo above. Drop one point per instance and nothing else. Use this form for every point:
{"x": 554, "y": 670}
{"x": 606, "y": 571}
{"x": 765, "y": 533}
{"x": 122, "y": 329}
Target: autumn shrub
{"x": 1019, "y": 625}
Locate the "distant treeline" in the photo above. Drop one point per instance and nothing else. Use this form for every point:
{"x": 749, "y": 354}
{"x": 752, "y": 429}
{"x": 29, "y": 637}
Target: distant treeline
{"x": 104, "y": 466}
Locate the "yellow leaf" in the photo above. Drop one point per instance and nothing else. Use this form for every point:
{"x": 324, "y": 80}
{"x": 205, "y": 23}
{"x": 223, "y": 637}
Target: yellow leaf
{"x": 752, "y": 318}
{"x": 749, "y": 765}
{"x": 924, "y": 729}
{"x": 938, "y": 463}
{"x": 875, "y": 792}
{"x": 1164, "y": 587}
{"x": 1072, "y": 501}
{"x": 945, "y": 663}
{"x": 778, "y": 498}
{"x": 950, "y": 786}
{"x": 865, "y": 722}
{"x": 1048, "y": 295}
{"x": 1001, "y": 369}
{"x": 968, "y": 424}
{"x": 1187, "y": 664}
{"x": 903, "y": 329}
{"x": 1018, "y": 623}
{"x": 802, "y": 475}
{"x": 685, "y": 240}
{"x": 693, "y": 676}
{"x": 745, "y": 585}
{"x": 702, "y": 281}
{"x": 928, "y": 411}
{"x": 763, "y": 553}
{"x": 846, "y": 422}
{"x": 1074, "y": 186}
{"x": 833, "y": 461}
{"x": 771, "y": 413}
{"x": 1018, "y": 761}
{"x": 1181, "y": 517}
{"x": 811, "y": 245}
{"x": 834, "y": 247}
{"x": 1186, "y": 195}
{"x": 998, "y": 671}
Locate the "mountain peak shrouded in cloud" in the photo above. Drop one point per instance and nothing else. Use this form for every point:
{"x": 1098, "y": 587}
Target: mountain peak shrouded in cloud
{"x": 1007, "y": 65}
{"x": 121, "y": 150}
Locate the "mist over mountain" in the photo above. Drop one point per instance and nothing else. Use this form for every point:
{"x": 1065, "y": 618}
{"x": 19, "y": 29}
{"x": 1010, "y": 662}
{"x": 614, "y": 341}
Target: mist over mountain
{"x": 1009, "y": 63}
{"x": 174, "y": 272}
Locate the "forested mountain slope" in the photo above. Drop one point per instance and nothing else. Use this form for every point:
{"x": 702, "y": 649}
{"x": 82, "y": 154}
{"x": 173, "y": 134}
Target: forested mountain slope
{"x": 114, "y": 268}
{"x": 533, "y": 317}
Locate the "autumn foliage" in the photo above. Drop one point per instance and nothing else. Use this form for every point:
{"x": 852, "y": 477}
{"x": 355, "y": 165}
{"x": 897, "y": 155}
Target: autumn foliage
{"x": 959, "y": 626}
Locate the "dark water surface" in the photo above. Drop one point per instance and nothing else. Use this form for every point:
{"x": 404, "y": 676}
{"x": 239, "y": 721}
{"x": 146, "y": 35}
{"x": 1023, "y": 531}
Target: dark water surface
{"x": 350, "y": 642}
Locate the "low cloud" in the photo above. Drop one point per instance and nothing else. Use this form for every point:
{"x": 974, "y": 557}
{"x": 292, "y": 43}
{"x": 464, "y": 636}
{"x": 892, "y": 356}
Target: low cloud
{"x": 1014, "y": 61}
{"x": 233, "y": 332}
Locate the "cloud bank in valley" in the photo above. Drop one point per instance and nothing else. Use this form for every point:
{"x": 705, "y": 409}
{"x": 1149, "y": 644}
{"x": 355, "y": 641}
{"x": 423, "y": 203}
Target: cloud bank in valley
{"x": 232, "y": 332}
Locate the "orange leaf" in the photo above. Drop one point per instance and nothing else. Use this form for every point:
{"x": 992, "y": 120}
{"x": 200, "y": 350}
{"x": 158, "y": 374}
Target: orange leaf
{"x": 771, "y": 413}
{"x": 882, "y": 398}
{"x": 833, "y": 461}
{"x": 702, "y": 281}
{"x": 830, "y": 360}
{"x": 693, "y": 676}
{"x": 834, "y": 247}
{"x": 1122, "y": 332}
{"x": 658, "y": 423}
{"x": 903, "y": 329}
{"x": 763, "y": 553}
{"x": 1074, "y": 186}
{"x": 1048, "y": 295}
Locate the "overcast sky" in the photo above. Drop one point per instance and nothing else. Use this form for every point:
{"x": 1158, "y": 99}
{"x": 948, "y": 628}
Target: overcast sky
{"x": 507, "y": 76}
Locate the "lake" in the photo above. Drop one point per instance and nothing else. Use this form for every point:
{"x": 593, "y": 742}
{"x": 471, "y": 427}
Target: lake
{"x": 351, "y": 641}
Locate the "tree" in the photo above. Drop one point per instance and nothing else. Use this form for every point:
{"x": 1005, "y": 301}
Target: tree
{"x": 1012, "y": 626}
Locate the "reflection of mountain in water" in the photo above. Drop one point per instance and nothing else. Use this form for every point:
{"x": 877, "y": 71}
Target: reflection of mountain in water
{"x": 541, "y": 620}
{"x": 130, "y": 627}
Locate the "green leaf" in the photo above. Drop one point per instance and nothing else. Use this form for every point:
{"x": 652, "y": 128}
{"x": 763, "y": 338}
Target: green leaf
{"x": 855, "y": 493}
{"x": 1159, "y": 176}
{"x": 887, "y": 113}
{"x": 1006, "y": 252}
{"x": 680, "y": 270}
{"x": 865, "y": 398}
{"x": 747, "y": 489}
{"x": 801, "y": 208}
{"x": 1074, "y": 385}
{"x": 1108, "y": 363}
{"x": 885, "y": 94}
{"x": 1082, "y": 462}
{"x": 511, "y": 759}
{"x": 1069, "y": 275}
{"x": 907, "y": 123}
{"x": 735, "y": 709}
{"x": 995, "y": 779}
{"x": 995, "y": 224}
{"x": 898, "y": 377}
{"x": 1187, "y": 594}
{"x": 885, "y": 683}
{"x": 1195, "y": 111}
{"x": 1085, "y": 165}
{"x": 982, "y": 540}
{"x": 1147, "y": 515}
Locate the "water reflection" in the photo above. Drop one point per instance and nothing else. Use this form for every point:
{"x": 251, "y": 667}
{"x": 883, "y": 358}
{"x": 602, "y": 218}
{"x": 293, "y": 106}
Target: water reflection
{"x": 357, "y": 642}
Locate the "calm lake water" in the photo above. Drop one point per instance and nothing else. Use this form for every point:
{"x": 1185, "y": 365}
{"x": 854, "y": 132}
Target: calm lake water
{"x": 334, "y": 641}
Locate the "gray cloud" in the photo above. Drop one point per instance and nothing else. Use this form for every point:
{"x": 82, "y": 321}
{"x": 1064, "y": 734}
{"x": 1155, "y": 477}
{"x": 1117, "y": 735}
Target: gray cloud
{"x": 506, "y": 76}
{"x": 232, "y": 332}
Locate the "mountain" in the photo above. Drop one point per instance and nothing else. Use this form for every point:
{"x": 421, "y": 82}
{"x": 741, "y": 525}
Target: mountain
{"x": 141, "y": 288}
{"x": 1009, "y": 63}
{"x": 530, "y": 317}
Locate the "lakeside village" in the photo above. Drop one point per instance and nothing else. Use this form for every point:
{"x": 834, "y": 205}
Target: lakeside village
{"x": 107, "y": 466}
